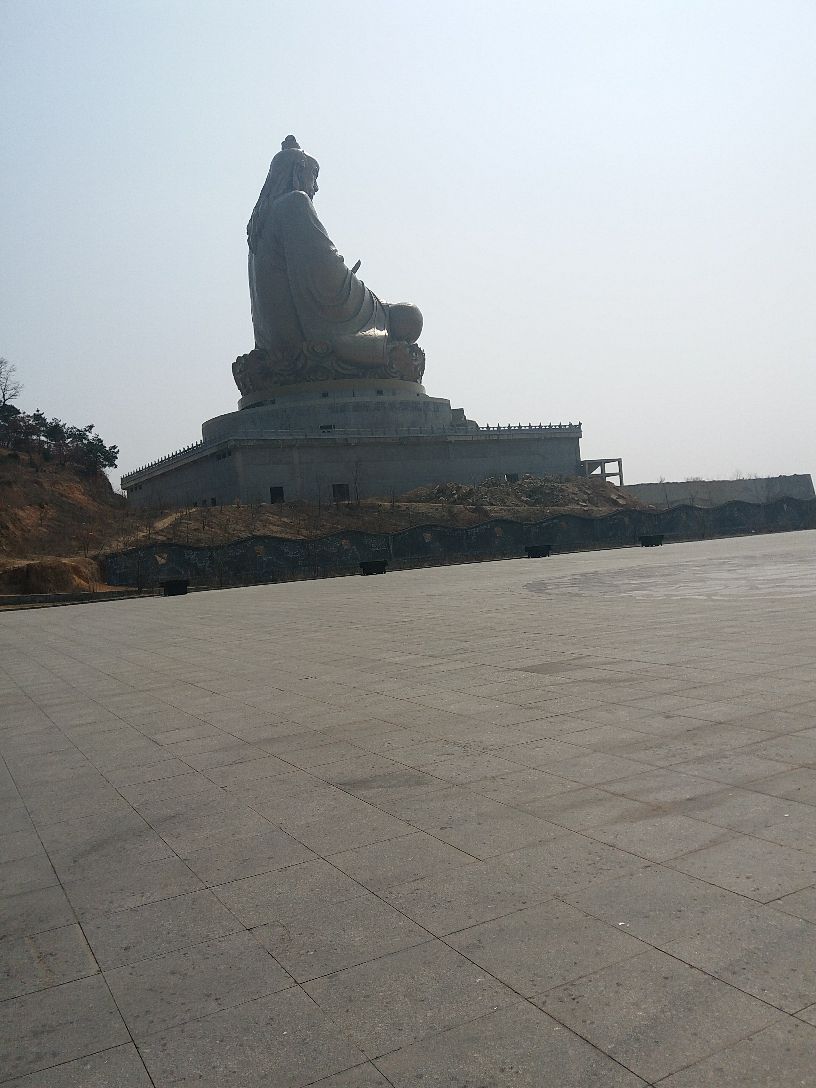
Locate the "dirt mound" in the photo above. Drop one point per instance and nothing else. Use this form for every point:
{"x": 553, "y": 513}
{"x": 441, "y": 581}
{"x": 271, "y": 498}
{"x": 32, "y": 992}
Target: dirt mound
{"x": 52, "y": 575}
{"x": 572, "y": 494}
{"x": 48, "y": 509}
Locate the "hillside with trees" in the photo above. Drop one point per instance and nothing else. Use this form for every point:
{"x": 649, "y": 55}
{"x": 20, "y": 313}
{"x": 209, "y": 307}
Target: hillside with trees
{"x": 34, "y": 434}
{"x": 55, "y": 499}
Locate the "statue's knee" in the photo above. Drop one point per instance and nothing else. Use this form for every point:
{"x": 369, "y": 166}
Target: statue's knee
{"x": 404, "y": 322}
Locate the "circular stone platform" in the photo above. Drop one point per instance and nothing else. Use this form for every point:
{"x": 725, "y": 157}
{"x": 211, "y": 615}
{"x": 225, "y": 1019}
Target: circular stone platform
{"x": 382, "y": 407}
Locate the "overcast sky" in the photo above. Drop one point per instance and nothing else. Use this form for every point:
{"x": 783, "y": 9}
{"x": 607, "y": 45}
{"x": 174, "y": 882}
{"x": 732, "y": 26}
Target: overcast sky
{"x": 604, "y": 208}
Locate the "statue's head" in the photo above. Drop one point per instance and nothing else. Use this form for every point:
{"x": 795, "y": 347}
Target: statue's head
{"x": 292, "y": 170}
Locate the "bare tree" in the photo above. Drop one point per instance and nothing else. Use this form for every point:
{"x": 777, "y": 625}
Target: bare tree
{"x": 10, "y": 388}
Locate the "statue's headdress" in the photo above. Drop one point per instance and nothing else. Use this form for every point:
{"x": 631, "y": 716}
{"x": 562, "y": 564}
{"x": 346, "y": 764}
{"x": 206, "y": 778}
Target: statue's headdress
{"x": 286, "y": 174}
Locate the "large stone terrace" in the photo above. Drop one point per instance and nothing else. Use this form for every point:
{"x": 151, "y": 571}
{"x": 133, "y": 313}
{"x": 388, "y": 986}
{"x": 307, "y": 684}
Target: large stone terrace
{"x": 532, "y": 823}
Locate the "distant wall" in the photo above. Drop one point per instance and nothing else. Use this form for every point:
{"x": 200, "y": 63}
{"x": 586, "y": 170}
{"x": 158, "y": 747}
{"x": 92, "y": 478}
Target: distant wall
{"x": 715, "y": 492}
{"x": 271, "y": 559}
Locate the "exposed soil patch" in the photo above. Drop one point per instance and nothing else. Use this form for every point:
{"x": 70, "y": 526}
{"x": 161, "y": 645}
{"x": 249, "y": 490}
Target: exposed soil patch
{"x": 52, "y": 575}
{"x": 48, "y": 509}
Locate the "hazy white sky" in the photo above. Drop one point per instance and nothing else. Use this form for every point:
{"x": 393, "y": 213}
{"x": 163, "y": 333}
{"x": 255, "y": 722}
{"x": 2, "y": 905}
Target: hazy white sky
{"x": 604, "y": 208}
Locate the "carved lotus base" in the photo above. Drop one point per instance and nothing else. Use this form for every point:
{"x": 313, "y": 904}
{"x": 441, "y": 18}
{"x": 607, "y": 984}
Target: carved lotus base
{"x": 260, "y": 370}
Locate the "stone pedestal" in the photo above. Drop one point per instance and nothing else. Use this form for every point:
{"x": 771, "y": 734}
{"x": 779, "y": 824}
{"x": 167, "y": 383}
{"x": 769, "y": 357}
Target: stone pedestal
{"x": 360, "y": 408}
{"x": 343, "y": 440}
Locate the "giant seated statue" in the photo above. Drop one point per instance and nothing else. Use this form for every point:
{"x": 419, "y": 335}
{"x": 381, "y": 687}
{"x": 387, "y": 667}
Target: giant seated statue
{"x": 313, "y": 318}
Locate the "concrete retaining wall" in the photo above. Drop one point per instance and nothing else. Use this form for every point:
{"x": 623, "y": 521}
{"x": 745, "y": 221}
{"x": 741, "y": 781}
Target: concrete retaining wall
{"x": 269, "y": 559}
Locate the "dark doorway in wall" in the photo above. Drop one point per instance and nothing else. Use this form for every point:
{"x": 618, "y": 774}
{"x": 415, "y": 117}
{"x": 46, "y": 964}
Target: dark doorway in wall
{"x": 340, "y": 492}
{"x": 276, "y": 494}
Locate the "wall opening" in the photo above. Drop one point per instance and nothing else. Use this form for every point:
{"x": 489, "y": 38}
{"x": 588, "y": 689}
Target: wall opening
{"x": 341, "y": 493}
{"x": 276, "y": 494}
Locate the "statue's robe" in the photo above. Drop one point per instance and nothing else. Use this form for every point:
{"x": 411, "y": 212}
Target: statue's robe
{"x": 302, "y": 291}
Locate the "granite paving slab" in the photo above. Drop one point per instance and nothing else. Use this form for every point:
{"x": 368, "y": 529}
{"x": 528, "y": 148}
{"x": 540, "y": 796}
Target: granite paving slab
{"x": 464, "y": 896}
{"x": 259, "y": 899}
{"x": 438, "y": 989}
{"x": 659, "y": 837}
{"x": 664, "y": 786}
{"x": 582, "y": 808}
{"x": 119, "y": 1067}
{"x": 20, "y": 844}
{"x": 514, "y": 1047}
{"x": 410, "y": 857}
{"x": 472, "y": 823}
{"x": 42, "y": 960}
{"x": 753, "y": 867}
{"x": 761, "y": 951}
{"x": 156, "y": 994}
{"x": 781, "y": 1054}
{"x": 796, "y": 785}
{"x": 57, "y": 806}
{"x": 655, "y": 1014}
{"x": 310, "y": 942}
{"x": 543, "y": 946}
{"x": 14, "y": 816}
{"x": 52, "y": 1026}
{"x": 246, "y": 855}
{"x": 800, "y": 904}
{"x": 737, "y": 769}
{"x": 120, "y": 888}
{"x": 362, "y": 1076}
{"x": 157, "y": 927}
{"x": 525, "y": 789}
{"x": 790, "y": 749}
{"x": 34, "y": 911}
{"x": 746, "y": 810}
{"x": 283, "y": 1040}
{"x": 657, "y": 904}
{"x": 26, "y": 874}
{"x": 566, "y": 862}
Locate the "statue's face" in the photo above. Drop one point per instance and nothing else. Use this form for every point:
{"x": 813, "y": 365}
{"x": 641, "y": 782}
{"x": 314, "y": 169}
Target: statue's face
{"x": 310, "y": 172}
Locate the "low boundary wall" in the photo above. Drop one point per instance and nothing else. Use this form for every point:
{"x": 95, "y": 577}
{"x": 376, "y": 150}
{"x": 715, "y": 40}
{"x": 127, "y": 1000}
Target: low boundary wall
{"x": 760, "y": 489}
{"x": 262, "y": 559}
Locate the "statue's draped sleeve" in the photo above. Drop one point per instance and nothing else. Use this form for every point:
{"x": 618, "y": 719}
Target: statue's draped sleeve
{"x": 327, "y": 303}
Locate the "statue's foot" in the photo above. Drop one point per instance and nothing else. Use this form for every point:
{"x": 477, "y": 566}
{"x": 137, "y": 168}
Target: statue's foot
{"x": 406, "y": 361}
{"x": 404, "y": 322}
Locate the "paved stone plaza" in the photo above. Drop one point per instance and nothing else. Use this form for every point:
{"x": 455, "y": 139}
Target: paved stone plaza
{"x": 534, "y": 823}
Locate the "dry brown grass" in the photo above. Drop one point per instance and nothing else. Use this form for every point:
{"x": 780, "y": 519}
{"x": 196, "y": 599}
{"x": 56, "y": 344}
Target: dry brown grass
{"x": 50, "y": 575}
{"x": 63, "y": 518}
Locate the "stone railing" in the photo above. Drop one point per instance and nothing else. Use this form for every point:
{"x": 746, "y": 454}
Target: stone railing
{"x": 498, "y": 431}
{"x": 177, "y": 455}
{"x": 516, "y": 427}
